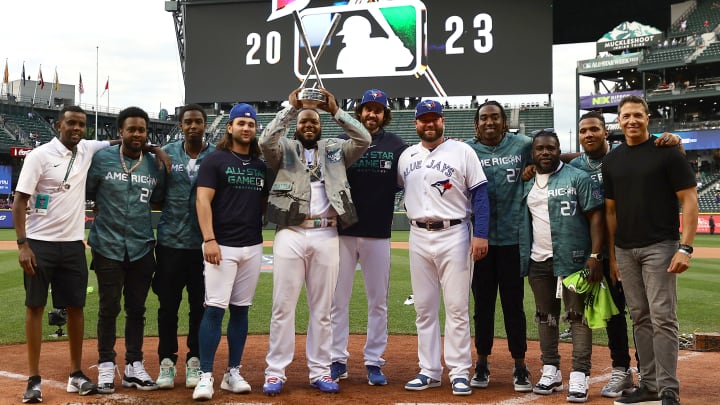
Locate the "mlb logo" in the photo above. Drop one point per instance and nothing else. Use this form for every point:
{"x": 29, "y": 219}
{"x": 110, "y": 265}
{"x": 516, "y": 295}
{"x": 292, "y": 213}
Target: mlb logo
{"x": 394, "y": 31}
{"x": 386, "y": 164}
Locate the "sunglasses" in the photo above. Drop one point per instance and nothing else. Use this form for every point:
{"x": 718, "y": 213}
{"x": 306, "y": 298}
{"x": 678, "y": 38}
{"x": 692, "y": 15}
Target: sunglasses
{"x": 543, "y": 131}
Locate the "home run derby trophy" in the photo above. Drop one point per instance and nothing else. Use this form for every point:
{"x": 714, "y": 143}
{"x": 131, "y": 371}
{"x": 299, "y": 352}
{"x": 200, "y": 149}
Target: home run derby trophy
{"x": 311, "y": 97}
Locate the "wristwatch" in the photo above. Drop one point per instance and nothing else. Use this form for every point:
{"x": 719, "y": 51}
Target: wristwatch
{"x": 21, "y": 241}
{"x": 597, "y": 256}
{"x": 687, "y": 249}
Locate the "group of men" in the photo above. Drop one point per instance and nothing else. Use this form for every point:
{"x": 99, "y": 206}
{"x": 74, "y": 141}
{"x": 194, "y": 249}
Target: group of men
{"x": 332, "y": 200}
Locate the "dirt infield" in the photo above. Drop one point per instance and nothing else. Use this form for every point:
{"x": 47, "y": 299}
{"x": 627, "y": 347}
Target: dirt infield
{"x": 698, "y": 383}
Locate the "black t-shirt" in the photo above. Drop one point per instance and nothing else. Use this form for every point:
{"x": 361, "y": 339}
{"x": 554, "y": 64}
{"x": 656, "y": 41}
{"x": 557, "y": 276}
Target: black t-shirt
{"x": 643, "y": 180}
{"x": 240, "y": 185}
{"x": 373, "y": 185}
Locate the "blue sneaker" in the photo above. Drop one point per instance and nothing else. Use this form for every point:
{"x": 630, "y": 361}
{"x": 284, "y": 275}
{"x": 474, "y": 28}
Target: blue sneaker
{"x": 460, "y": 386}
{"x": 338, "y": 371}
{"x": 375, "y": 376}
{"x": 326, "y": 384}
{"x": 273, "y": 385}
{"x": 421, "y": 382}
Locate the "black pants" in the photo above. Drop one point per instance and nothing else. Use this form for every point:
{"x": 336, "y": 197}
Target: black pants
{"x": 122, "y": 280}
{"x": 499, "y": 270}
{"x": 178, "y": 269}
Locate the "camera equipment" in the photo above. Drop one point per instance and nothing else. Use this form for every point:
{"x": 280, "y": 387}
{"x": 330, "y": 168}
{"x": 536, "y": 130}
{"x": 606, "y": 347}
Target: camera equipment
{"x": 58, "y": 317}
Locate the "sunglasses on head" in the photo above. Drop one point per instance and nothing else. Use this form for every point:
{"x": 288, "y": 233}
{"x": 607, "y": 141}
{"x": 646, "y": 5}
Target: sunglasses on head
{"x": 542, "y": 131}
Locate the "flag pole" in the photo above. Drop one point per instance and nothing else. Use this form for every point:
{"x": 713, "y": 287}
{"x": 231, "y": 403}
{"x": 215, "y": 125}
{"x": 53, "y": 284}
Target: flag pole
{"x": 97, "y": 84}
{"x": 6, "y": 79}
{"x": 37, "y": 80}
{"x": 107, "y": 87}
{"x": 52, "y": 88}
{"x": 80, "y": 89}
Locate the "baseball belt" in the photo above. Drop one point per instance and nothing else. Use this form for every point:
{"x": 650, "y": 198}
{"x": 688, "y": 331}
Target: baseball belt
{"x": 323, "y": 222}
{"x": 437, "y": 225}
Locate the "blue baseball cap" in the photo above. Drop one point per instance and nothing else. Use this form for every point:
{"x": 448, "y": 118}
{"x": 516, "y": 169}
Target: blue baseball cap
{"x": 428, "y": 106}
{"x": 243, "y": 110}
{"x": 376, "y": 96}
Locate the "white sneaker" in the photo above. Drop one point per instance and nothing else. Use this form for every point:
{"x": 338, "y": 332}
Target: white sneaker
{"x": 550, "y": 381}
{"x": 192, "y": 372}
{"x": 232, "y": 381}
{"x": 204, "y": 388}
{"x": 166, "y": 378}
{"x": 106, "y": 377}
{"x": 578, "y": 387}
{"x": 136, "y": 377}
{"x": 621, "y": 382}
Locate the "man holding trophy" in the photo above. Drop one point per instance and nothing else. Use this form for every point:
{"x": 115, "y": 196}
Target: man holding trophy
{"x": 309, "y": 197}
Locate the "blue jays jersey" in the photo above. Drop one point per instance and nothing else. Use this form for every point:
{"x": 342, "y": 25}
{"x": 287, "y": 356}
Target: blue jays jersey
{"x": 438, "y": 182}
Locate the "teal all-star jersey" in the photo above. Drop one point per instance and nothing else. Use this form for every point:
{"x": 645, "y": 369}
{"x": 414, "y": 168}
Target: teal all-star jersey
{"x": 123, "y": 221}
{"x": 503, "y": 165}
{"x": 571, "y": 194}
{"x": 178, "y": 226}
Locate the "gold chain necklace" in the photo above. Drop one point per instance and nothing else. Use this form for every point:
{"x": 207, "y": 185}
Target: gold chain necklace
{"x": 537, "y": 183}
{"x": 122, "y": 161}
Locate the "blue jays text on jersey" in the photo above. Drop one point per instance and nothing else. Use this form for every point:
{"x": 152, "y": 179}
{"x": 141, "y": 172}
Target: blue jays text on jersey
{"x": 444, "y": 168}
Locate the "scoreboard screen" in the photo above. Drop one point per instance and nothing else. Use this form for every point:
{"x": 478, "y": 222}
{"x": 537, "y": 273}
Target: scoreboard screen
{"x": 254, "y": 51}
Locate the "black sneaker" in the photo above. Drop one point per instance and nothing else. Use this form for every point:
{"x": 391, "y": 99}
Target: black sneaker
{"x": 670, "y": 398}
{"x": 521, "y": 379}
{"x": 481, "y": 379}
{"x": 33, "y": 394}
{"x": 640, "y": 396}
{"x": 78, "y": 382}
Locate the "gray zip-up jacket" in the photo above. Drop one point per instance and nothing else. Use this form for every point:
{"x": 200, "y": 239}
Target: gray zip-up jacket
{"x": 289, "y": 199}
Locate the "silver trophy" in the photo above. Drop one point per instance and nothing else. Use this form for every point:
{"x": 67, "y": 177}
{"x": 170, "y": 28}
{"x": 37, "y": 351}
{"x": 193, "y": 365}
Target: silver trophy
{"x": 312, "y": 97}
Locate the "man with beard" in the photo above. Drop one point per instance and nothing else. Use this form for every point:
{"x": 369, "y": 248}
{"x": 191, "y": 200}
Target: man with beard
{"x": 231, "y": 196}
{"x": 373, "y": 184}
{"x": 503, "y": 156}
{"x": 444, "y": 184}
{"x": 123, "y": 181}
{"x": 309, "y": 197}
{"x": 50, "y": 241}
{"x": 178, "y": 251}
{"x": 562, "y": 226}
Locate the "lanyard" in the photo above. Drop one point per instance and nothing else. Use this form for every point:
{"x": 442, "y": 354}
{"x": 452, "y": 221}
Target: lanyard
{"x": 67, "y": 173}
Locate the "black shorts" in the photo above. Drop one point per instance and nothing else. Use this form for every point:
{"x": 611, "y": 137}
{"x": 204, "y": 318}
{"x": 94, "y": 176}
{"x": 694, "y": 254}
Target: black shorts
{"x": 61, "y": 265}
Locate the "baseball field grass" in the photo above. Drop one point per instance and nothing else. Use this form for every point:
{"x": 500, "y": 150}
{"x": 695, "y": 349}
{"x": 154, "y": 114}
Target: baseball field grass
{"x": 698, "y": 305}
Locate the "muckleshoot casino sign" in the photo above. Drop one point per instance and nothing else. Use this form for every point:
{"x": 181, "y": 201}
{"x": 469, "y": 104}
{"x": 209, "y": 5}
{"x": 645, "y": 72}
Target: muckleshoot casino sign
{"x": 629, "y": 35}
